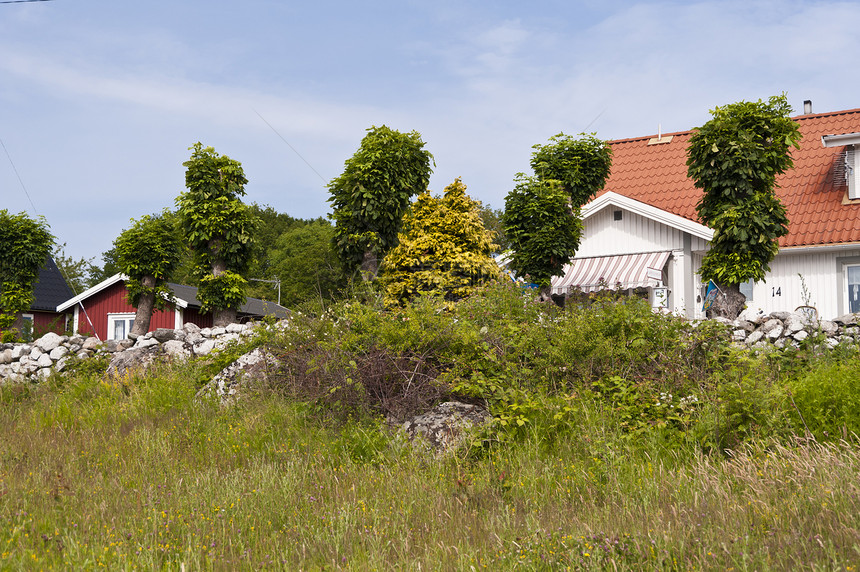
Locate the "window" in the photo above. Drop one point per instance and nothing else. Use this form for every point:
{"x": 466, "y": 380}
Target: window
{"x": 27, "y": 327}
{"x": 119, "y": 325}
{"x": 852, "y": 275}
{"x": 747, "y": 289}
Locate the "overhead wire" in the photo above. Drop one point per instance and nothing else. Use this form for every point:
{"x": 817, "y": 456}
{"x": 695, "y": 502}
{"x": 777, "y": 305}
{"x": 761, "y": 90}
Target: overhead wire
{"x": 290, "y": 146}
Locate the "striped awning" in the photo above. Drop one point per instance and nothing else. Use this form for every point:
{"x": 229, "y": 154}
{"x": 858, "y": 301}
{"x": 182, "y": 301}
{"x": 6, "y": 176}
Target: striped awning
{"x": 630, "y": 270}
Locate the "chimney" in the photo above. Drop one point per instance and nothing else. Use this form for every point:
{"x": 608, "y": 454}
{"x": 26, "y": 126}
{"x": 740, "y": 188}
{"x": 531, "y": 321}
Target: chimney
{"x": 807, "y": 106}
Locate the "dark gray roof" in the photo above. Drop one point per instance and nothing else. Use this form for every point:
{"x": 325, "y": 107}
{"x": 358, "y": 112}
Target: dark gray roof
{"x": 50, "y": 289}
{"x": 253, "y": 307}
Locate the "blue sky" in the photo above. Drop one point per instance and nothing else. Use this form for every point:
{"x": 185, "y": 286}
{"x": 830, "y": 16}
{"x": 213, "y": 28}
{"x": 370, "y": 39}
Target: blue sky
{"x": 100, "y": 100}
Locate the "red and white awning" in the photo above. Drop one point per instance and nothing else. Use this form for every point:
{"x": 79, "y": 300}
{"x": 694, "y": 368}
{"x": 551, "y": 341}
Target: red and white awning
{"x": 630, "y": 270}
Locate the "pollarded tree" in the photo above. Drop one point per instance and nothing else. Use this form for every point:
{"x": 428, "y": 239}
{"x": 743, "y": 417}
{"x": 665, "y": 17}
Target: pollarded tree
{"x": 735, "y": 159}
{"x": 443, "y": 248}
{"x": 371, "y": 195}
{"x": 581, "y": 165}
{"x": 148, "y": 253}
{"x": 219, "y": 228}
{"x": 542, "y": 229}
{"x": 24, "y": 246}
{"x": 542, "y": 214}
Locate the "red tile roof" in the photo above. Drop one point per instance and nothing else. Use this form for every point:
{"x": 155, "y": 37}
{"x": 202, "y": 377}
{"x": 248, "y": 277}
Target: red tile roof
{"x": 812, "y": 191}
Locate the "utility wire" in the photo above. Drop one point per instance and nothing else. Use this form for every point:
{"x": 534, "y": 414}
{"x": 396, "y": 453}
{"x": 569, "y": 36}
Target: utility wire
{"x": 8, "y": 156}
{"x": 290, "y": 146}
{"x": 21, "y": 1}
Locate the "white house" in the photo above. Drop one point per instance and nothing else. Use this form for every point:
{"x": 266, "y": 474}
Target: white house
{"x": 642, "y": 229}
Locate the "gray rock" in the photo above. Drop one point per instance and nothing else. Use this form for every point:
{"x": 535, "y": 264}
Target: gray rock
{"x": 215, "y": 332}
{"x": 190, "y": 328}
{"x": 6, "y": 356}
{"x": 133, "y": 359}
{"x": 800, "y": 336}
{"x": 796, "y": 322}
{"x": 175, "y": 348}
{"x": 775, "y": 333}
{"x": 771, "y": 324}
{"x": 828, "y": 327}
{"x": 90, "y": 343}
{"x": 848, "y": 319}
{"x": 204, "y": 348}
{"x": 193, "y": 338}
{"x": 246, "y": 371}
{"x": 739, "y": 335}
{"x": 48, "y": 342}
{"x": 146, "y": 343}
{"x": 780, "y": 315}
{"x": 222, "y": 341}
{"x": 59, "y": 352}
{"x": 754, "y": 316}
{"x": 206, "y": 332}
{"x": 20, "y": 350}
{"x": 447, "y": 426}
{"x": 61, "y": 364}
{"x": 235, "y": 328}
{"x": 45, "y": 360}
{"x": 754, "y": 337}
{"x": 165, "y": 335}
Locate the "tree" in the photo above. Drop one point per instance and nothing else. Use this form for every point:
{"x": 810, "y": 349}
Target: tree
{"x": 24, "y": 246}
{"x": 304, "y": 259}
{"x": 371, "y": 195}
{"x": 735, "y": 159}
{"x": 492, "y": 219}
{"x": 79, "y": 273}
{"x": 542, "y": 213}
{"x": 542, "y": 229}
{"x": 443, "y": 248}
{"x": 580, "y": 165}
{"x": 219, "y": 228}
{"x": 148, "y": 252}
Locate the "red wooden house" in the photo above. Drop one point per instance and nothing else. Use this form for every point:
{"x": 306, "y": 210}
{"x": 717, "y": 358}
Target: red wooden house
{"x": 104, "y": 311}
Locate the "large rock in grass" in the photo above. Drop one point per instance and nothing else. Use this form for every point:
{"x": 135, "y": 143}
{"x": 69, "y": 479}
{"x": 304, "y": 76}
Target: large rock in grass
{"x": 247, "y": 371}
{"x": 127, "y": 361}
{"x": 447, "y": 426}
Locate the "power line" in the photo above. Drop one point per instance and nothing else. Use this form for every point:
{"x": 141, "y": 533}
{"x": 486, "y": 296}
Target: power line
{"x": 13, "y": 165}
{"x": 290, "y": 146}
{"x": 21, "y": 1}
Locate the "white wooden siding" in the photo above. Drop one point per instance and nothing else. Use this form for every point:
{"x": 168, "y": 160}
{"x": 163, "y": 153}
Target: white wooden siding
{"x": 604, "y": 236}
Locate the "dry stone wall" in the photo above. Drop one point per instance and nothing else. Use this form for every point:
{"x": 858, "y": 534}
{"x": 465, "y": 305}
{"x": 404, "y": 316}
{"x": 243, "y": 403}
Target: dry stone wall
{"x": 30, "y": 362}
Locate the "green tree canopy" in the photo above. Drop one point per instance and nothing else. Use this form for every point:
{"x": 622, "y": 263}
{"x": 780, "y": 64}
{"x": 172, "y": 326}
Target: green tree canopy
{"x": 304, "y": 260}
{"x": 371, "y": 195}
{"x": 25, "y": 244}
{"x": 735, "y": 159}
{"x": 148, "y": 253}
{"x": 542, "y": 214}
{"x": 542, "y": 229}
{"x": 443, "y": 248}
{"x": 580, "y": 164}
{"x": 219, "y": 228}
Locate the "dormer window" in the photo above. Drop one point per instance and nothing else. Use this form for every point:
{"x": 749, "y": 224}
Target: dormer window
{"x": 850, "y": 156}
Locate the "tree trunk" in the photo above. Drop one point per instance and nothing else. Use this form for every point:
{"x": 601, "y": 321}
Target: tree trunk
{"x": 145, "y": 306}
{"x": 221, "y": 316}
{"x": 369, "y": 266}
{"x": 728, "y": 304}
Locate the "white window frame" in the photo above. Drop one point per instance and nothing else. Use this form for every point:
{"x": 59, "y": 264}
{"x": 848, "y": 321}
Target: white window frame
{"x": 112, "y": 319}
{"x": 847, "y": 298}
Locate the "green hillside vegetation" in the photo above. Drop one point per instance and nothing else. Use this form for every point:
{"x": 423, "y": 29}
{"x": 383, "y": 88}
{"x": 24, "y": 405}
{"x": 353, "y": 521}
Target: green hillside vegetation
{"x": 621, "y": 440}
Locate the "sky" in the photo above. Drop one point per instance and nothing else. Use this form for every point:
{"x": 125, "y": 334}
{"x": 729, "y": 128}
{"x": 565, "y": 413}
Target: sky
{"x": 100, "y": 100}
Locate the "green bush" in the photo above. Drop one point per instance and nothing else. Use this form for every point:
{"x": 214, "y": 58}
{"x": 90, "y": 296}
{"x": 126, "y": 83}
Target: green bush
{"x": 827, "y": 400}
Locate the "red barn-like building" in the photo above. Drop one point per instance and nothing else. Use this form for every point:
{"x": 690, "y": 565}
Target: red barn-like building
{"x": 104, "y": 311}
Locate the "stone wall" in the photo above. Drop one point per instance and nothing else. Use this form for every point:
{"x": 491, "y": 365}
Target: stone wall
{"x": 782, "y": 329}
{"x": 35, "y": 361}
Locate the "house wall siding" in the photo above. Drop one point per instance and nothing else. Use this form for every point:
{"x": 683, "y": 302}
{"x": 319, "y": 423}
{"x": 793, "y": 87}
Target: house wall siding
{"x": 604, "y": 236}
{"x": 112, "y": 300}
{"x": 822, "y": 275}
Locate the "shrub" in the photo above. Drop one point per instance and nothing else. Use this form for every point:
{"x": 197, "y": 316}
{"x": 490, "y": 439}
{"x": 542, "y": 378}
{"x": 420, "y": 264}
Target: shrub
{"x": 827, "y": 400}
